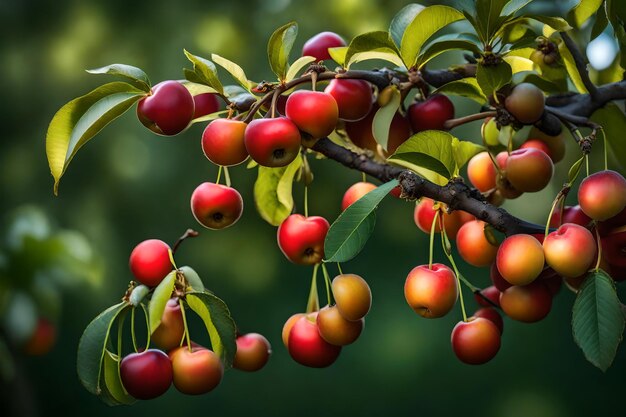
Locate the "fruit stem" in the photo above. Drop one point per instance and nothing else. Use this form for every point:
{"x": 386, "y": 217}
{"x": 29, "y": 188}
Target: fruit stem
{"x": 188, "y": 233}
{"x": 604, "y": 143}
{"x": 327, "y": 281}
{"x": 274, "y": 100}
{"x": 145, "y": 313}
{"x": 452, "y": 123}
{"x": 587, "y": 163}
{"x": 495, "y": 164}
{"x": 313, "y": 304}
{"x": 446, "y": 248}
{"x": 132, "y": 329}
{"x": 459, "y": 277}
{"x": 120, "y": 331}
{"x": 432, "y": 239}
{"x": 363, "y": 177}
{"x": 182, "y": 311}
{"x": 597, "y": 268}
{"x": 306, "y": 201}
{"x": 313, "y": 80}
{"x": 219, "y": 175}
{"x": 227, "y": 176}
{"x": 339, "y": 268}
{"x": 556, "y": 201}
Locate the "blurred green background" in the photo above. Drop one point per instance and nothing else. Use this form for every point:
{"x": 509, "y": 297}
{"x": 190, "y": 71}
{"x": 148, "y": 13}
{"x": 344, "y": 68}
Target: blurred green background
{"x": 129, "y": 185}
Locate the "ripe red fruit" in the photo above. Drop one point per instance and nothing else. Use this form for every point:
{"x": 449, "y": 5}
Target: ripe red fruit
{"x": 520, "y": 259}
{"x": 529, "y": 170}
{"x": 473, "y": 246}
{"x": 476, "y": 341}
{"x": 197, "y": 371}
{"x": 614, "y": 249}
{"x": 430, "y": 114}
{"x": 306, "y": 345}
{"x": 527, "y": 303}
{"x": 602, "y": 195}
{"x": 481, "y": 172}
{"x": 571, "y": 214}
{"x": 431, "y": 293}
{"x": 335, "y": 329}
{"x": 539, "y": 145}
{"x": 315, "y": 113}
{"x": 301, "y": 239}
{"x": 498, "y": 282}
{"x": 360, "y": 132}
{"x": 555, "y": 143}
{"x": 424, "y": 214}
{"x": 492, "y": 315}
{"x": 43, "y": 338}
{"x": 353, "y": 97}
{"x": 355, "y": 192}
{"x": 272, "y": 142}
{"x": 353, "y": 296}
{"x": 150, "y": 262}
{"x": 570, "y": 250}
{"x": 171, "y": 330}
{"x": 318, "y": 45}
{"x": 287, "y": 327}
{"x": 216, "y": 206}
{"x": 526, "y": 103}
{"x": 253, "y": 352}
{"x": 491, "y": 293}
{"x": 205, "y": 103}
{"x": 168, "y": 109}
{"x": 223, "y": 142}
{"x": 147, "y": 374}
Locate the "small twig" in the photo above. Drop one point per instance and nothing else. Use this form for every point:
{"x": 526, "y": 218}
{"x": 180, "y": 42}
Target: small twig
{"x": 188, "y": 233}
{"x": 452, "y": 123}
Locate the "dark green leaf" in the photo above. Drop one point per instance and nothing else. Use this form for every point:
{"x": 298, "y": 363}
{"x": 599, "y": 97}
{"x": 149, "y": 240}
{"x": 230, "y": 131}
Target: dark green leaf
{"x": 600, "y": 24}
{"x": 112, "y": 380}
{"x": 513, "y": 6}
{"x": 492, "y": 78}
{"x": 583, "y": 11}
{"x": 204, "y": 72}
{"x": 428, "y": 22}
{"x": 233, "y": 69}
{"x": 81, "y": 119}
{"x": 557, "y": 23}
{"x": 466, "y": 6}
{"x": 597, "y": 319}
{"x": 488, "y": 12}
{"x": 349, "y": 233}
{"x": 401, "y": 20}
{"x": 383, "y": 118}
{"x": 465, "y": 87}
{"x": 273, "y": 192}
{"x": 370, "y": 42}
{"x": 134, "y": 74}
{"x": 431, "y": 149}
{"x": 218, "y": 322}
{"x": 161, "y": 294}
{"x": 613, "y": 121}
{"x": 279, "y": 47}
{"x": 91, "y": 347}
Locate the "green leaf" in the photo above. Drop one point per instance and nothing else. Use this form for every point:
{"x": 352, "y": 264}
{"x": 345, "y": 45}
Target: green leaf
{"x": 91, "y": 347}
{"x": 465, "y": 87}
{"x": 492, "y": 78}
{"x": 422, "y": 27}
{"x": 383, "y": 118}
{"x": 196, "y": 88}
{"x": 112, "y": 380}
{"x": 600, "y": 24}
{"x": 534, "y": 78}
{"x": 279, "y": 47}
{"x": 613, "y": 121}
{"x": 401, "y": 20}
{"x": 583, "y": 11}
{"x": 518, "y": 63}
{"x": 438, "y": 48}
{"x": 272, "y": 191}
{"x": 162, "y": 293}
{"x": 297, "y": 66}
{"x": 557, "y": 23}
{"x": 204, "y": 72}
{"x": 218, "y": 322}
{"x": 233, "y": 69}
{"x": 574, "y": 170}
{"x": 81, "y": 119}
{"x": 463, "y": 151}
{"x": 513, "y": 6}
{"x": 134, "y": 74}
{"x": 488, "y": 12}
{"x": 193, "y": 279}
{"x": 338, "y": 54}
{"x": 430, "y": 149}
{"x": 349, "y": 233}
{"x": 597, "y": 319}
{"x": 570, "y": 67}
{"x": 372, "y": 45}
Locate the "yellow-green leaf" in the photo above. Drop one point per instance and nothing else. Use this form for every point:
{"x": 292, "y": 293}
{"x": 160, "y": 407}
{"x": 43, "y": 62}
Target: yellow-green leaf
{"x": 273, "y": 191}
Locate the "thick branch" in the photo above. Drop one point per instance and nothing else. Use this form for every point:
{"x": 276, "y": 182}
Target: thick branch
{"x": 581, "y": 65}
{"x": 456, "y": 194}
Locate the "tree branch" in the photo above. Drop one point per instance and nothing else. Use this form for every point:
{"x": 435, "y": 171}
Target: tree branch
{"x": 581, "y": 64}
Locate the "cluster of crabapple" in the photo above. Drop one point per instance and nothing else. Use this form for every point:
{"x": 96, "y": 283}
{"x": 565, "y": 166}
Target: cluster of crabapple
{"x": 193, "y": 369}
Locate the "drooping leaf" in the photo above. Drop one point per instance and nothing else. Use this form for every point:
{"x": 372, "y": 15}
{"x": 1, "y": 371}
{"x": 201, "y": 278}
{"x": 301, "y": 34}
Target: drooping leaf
{"x": 513, "y": 6}
{"x": 557, "y": 23}
{"x": 465, "y": 87}
{"x": 160, "y": 295}
{"x": 279, "y": 47}
{"x": 375, "y": 45}
{"x": 351, "y": 230}
{"x": 218, "y": 322}
{"x": 425, "y": 24}
{"x": 493, "y": 77}
{"x": 81, "y": 119}
{"x": 204, "y": 72}
{"x": 233, "y": 69}
{"x": 134, "y": 74}
{"x": 463, "y": 151}
{"x": 273, "y": 191}
{"x": 570, "y": 67}
{"x": 383, "y": 118}
{"x": 583, "y": 11}
{"x": 488, "y": 12}
{"x": 92, "y": 345}
{"x": 401, "y": 20}
{"x": 597, "y": 319}
{"x": 430, "y": 149}
{"x": 518, "y": 64}
{"x": 112, "y": 380}
{"x": 438, "y": 48}
{"x": 196, "y": 88}
{"x": 297, "y": 66}
{"x": 613, "y": 121}
{"x": 338, "y": 54}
